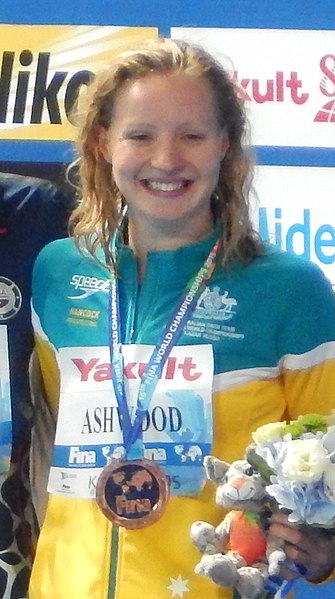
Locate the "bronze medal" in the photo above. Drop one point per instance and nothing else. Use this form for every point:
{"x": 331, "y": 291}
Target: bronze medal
{"x": 132, "y": 494}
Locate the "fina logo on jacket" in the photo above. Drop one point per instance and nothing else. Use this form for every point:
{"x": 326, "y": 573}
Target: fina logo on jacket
{"x": 10, "y": 299}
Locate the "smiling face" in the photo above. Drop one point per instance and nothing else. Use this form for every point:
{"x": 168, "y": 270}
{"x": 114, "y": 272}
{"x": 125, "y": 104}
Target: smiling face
{"x": 165, "y": 147}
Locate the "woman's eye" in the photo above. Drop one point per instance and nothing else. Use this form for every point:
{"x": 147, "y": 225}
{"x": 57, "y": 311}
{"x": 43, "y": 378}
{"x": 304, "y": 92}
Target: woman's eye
{"x": 194, "y": 136}
{"x": 138, "y": 136}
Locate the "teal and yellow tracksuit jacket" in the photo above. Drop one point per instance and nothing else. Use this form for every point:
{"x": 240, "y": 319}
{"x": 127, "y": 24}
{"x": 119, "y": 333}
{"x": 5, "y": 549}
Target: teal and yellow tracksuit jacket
{"x": 271, "y": 328}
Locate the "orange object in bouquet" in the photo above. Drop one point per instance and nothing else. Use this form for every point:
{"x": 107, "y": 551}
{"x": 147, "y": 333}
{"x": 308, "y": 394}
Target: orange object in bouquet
{"x": 246, "y": 535}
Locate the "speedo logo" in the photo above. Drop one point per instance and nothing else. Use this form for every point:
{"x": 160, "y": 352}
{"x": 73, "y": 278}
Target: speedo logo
{"x": 86, "y": 286}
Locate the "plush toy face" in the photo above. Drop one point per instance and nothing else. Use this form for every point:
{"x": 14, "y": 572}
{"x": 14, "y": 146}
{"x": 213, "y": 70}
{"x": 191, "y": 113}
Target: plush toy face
{"x": 238, "y": 485}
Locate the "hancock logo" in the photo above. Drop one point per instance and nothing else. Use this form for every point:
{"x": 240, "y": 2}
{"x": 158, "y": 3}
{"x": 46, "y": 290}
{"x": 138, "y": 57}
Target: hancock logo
{"x": 289, "y": 87}
{"x": 29, "y": 93}
{"x": 215, "y": 305}
{"x": 88, "y": 286}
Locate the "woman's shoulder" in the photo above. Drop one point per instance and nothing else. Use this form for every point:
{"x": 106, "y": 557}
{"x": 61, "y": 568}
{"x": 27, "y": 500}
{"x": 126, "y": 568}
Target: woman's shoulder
{"x": 57, "y": 253}
{"x": 286, "y": 263}
{"x": 289, "y": 275}
{"x": 62, "y": 259}
{"x": 57, "y": 247}
{"x": 55, "y": 260}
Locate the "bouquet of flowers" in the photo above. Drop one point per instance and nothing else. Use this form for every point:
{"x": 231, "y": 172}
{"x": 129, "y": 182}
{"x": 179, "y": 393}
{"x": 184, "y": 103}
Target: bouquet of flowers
{"x": 293, "y": 469}
{"x": 297, "y": 459}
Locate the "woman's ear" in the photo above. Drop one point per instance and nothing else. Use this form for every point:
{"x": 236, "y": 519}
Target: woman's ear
{"x": 224, "y": 146}
{"x": 103, "y": 144}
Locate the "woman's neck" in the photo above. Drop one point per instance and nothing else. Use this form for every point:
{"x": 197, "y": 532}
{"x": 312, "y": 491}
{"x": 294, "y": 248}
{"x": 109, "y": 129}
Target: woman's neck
{"x": 143, "y": 240}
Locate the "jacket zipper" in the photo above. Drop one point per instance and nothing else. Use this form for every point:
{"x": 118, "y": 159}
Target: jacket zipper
{"x": 113, "y": 562}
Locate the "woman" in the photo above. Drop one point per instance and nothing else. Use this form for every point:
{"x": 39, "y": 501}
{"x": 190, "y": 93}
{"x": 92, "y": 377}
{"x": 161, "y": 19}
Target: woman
{"x": 135, "y": 295}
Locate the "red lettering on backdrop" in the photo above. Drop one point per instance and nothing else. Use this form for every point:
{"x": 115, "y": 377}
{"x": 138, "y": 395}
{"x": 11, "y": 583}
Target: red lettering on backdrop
{"x": 327, "y": 66}
{"x": 272, "y": 90}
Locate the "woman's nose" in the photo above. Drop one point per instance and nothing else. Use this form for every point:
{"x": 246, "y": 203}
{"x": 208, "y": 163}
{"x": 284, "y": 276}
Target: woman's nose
{"x": 167, "y": 155}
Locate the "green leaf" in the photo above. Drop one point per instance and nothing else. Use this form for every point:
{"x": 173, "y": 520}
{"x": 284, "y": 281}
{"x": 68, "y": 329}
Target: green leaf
{"x": 258, "y": 463}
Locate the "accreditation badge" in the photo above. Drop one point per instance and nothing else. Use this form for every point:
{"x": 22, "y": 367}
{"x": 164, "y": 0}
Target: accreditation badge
{"x": 176, "y": 430}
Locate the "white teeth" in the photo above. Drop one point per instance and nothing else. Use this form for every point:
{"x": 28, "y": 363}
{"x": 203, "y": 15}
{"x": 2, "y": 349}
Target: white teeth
{"x": 164, "y": 186}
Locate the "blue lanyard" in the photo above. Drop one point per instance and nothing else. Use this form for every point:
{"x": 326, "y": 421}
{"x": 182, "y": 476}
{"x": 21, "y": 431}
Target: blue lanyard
{"x": 132, "y": 430}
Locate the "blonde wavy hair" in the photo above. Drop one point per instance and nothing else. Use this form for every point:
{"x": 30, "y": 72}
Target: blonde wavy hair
{"x": 96, "y": 217}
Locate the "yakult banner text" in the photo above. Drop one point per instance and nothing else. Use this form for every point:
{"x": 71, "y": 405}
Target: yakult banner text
{"x": 294, "y": 208}
{"x": 44, "y": 68}
{"x": 286, "y": 76}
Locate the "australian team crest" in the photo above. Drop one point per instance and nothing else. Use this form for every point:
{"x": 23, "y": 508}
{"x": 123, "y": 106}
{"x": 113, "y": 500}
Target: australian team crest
{"x": 215, "y": 305}
{"x": 10, "y": 299}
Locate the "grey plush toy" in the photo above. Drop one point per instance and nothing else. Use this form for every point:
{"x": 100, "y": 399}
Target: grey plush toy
{"x": 237, "y": 553}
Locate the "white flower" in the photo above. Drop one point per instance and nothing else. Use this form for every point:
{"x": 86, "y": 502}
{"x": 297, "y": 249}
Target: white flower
{"x": 305, "y": 460}
{"x": 331, "y": 418}
{"x": 328, "y": 441}
{"x": 329, "y": 482}
{"x": 267, "y": 432}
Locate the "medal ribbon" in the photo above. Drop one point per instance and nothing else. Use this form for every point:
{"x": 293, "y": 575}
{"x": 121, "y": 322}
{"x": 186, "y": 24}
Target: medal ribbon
{"x": 132, "y": 430}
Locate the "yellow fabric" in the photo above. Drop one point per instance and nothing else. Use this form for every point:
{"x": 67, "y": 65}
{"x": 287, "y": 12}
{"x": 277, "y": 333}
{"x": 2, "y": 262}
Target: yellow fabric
{"x": 85, "y": 532}
{"x": 76, "y": 532}
{"x": 50, "y": 372}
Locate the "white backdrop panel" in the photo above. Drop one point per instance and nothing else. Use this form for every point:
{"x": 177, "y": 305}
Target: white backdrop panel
{"x": 294, "y": 208}
{"x": 288, "y": 78}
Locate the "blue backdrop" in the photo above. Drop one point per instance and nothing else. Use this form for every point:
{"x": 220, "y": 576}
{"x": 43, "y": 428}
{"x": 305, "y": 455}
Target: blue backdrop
{"x": 271, "y": 14}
